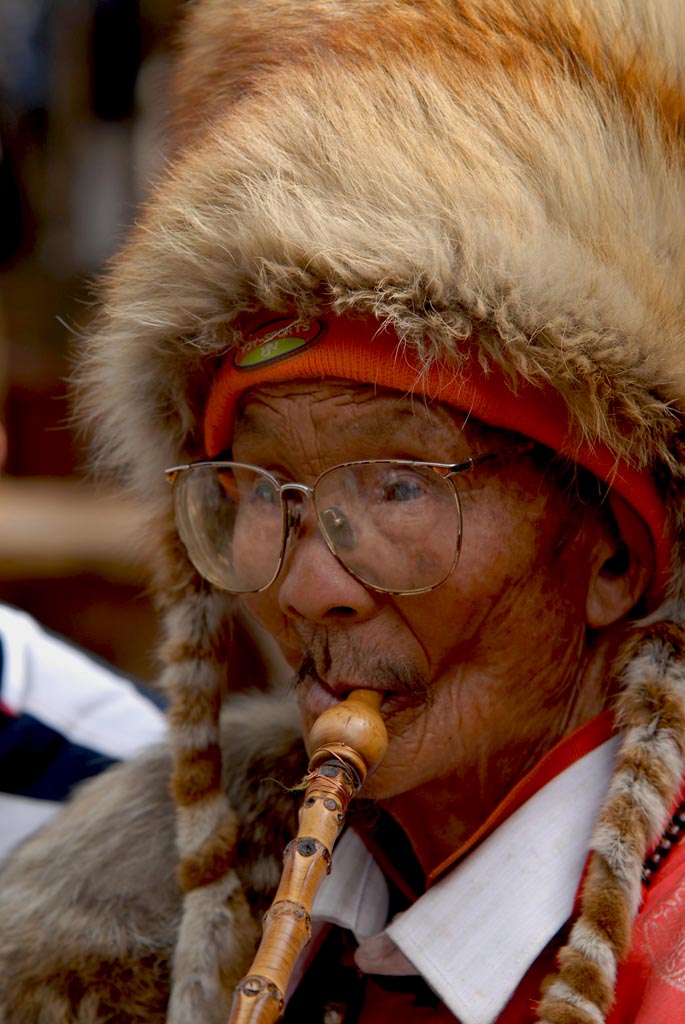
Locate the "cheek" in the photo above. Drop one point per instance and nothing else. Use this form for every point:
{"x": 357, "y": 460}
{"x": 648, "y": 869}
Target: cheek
{"x": 506, "y": 581}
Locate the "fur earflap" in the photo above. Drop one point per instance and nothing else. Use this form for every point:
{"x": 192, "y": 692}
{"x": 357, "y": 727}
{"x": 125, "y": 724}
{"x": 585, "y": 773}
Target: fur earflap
{"x": 647, "y": 776}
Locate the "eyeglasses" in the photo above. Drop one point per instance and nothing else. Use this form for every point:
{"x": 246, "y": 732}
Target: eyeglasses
{"x": 393, "y": 524}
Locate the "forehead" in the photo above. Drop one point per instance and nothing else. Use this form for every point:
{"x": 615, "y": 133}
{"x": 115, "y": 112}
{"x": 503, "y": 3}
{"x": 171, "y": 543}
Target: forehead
{"x": 349, "y": 408}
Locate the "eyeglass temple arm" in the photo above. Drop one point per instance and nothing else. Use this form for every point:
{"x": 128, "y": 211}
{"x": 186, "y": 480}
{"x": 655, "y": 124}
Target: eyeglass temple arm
{"x": 478, "y": 460}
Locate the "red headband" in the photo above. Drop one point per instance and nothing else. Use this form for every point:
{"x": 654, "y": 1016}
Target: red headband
{"x": 281, "y": 348}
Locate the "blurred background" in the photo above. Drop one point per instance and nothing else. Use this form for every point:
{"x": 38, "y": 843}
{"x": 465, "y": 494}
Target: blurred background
{"x": 83, "y": 87}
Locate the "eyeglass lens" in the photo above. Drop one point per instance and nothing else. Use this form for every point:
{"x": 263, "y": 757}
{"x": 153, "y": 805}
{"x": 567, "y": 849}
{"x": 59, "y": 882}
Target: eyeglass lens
{"x": 393, "y": 526}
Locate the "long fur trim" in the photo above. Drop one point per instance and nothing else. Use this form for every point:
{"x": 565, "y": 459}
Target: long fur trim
{"x": 646, "y": 781}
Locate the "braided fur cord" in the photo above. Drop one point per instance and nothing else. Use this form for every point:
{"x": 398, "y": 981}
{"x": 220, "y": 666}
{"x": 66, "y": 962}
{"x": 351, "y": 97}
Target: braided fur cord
{"x": 645, "y": 784}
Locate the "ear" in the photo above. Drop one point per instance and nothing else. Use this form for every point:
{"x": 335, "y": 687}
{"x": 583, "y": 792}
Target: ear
{"x": 623, "y": 563}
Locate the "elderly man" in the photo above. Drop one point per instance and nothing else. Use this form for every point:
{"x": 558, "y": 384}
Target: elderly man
{"x": 403, "y": 325}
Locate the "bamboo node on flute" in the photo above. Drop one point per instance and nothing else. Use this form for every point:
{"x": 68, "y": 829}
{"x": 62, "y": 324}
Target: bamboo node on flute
{"x": 288, "y": 908}
{"x": 307, "y": 846}
{"x": 256, "y": 985}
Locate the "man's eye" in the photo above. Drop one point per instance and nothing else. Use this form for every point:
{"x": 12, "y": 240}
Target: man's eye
{"x": 264, "y": 492}
{"x": 406, "y": 489}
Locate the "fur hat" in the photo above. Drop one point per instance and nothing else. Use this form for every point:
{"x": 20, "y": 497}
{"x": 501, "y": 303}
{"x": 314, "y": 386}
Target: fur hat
{"x": 509, "y": 171}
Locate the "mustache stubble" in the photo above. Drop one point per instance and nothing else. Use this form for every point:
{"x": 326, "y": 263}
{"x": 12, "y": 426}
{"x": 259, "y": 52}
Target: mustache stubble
{"x": 383, "y": 671}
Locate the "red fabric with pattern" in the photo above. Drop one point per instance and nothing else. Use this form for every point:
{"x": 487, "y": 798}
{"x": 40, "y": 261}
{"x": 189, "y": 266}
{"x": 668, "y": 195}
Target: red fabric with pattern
{"x": 651, "y": 983}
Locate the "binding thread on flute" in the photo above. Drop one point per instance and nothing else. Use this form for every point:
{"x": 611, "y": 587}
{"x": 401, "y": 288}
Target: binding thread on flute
{"x": 348, "y": 742}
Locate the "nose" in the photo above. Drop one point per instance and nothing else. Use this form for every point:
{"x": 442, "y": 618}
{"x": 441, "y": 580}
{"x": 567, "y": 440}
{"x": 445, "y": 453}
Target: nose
{"x": 314, "y": 586}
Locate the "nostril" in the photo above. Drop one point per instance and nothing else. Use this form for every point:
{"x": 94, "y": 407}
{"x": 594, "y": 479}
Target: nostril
{"x": 341, "y": 611}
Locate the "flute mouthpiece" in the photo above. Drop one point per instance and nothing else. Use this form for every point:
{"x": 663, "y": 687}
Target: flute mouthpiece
{"x": 352, "y": 730}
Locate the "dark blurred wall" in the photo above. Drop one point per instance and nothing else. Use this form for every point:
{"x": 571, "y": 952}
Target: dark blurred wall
{"x": 83, "y": 87}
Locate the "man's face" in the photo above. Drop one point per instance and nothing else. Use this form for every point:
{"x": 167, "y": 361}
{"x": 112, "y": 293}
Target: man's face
{"x": 480, "y": 675}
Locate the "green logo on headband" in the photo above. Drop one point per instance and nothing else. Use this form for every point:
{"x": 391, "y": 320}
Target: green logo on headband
{"x": 268, "y": 351}
{"x": 274, "y": 340}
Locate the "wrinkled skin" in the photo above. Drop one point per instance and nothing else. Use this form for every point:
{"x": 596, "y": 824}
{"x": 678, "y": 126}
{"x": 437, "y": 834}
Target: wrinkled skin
{"x": 500, "y": 658}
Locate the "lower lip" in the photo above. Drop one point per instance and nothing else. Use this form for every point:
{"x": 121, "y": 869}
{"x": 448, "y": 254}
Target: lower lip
{"x": 315, "y": 698}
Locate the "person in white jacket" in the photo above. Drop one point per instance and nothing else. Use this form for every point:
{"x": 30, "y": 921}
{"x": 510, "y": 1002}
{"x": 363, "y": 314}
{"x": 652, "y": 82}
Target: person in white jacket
{"x": 64, "y": 716}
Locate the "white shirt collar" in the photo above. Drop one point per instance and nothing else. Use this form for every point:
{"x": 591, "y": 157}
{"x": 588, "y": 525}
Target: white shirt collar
{"x": 476, "y": 932}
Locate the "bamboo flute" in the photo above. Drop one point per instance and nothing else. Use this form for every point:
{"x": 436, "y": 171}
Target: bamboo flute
{"x": 347, "y": 741}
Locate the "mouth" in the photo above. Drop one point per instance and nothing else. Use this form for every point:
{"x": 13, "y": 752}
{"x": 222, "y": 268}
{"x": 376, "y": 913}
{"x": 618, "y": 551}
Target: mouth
{"x": 329, "y": 672}
{"x": 316, "y": 695}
